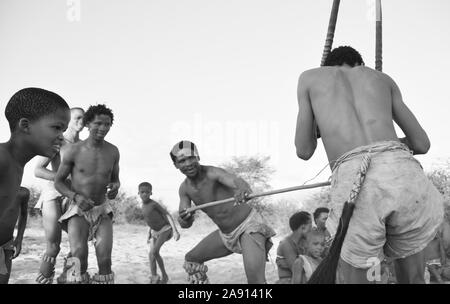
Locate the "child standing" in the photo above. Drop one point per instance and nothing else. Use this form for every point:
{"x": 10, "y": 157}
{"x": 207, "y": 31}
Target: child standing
{"x": 162, "y": 227}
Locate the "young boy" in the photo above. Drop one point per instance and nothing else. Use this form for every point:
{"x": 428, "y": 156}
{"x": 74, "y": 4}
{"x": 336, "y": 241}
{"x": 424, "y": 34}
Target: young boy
{"x": 292, "y": 246}
{"x": 37, "y": 119}
{"x": 51, "y": 201}
{"x": 306, "y": 264}
{"x": 161, "y": 229}
{"x": 436, "y": 258}
{"x": 241, "y": 228}
{"x": 93, "y": 165}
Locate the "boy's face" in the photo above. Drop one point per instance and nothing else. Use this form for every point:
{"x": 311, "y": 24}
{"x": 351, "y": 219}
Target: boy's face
{"x": 321, "y": 220}
{"x": 145, "y": 192}
{"x": 305, "y": 229}
{"x": 316, "y": 245}
{"x": 47, "y": 132}
{"x": 76, "y": 120}
{"x": 99, "y": 126}
{"x": 188, "y": 165}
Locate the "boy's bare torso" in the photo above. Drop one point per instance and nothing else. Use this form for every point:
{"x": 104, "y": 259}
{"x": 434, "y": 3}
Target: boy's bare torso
{"x": 10, "y": 180}
{"x": 226, "y": 216}
{"x": 352, "y": 106}
{"x": 153, "y": 216}
{"x": 92, "y": 169}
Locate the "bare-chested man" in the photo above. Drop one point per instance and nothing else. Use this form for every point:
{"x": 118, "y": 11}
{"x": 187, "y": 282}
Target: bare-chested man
{"x": 241, "y": 228}
{"x": 50, "y": 200}
{"x": 398, "y": 210}
{"x": 93, "y": 165}
{"x": 37, "y": 119}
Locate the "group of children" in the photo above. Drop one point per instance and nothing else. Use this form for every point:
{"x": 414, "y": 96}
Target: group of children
{"x": 299, "y": 253}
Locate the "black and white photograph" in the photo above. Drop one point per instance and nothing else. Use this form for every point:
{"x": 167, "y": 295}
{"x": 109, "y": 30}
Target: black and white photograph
{"x": 224, "y": 142}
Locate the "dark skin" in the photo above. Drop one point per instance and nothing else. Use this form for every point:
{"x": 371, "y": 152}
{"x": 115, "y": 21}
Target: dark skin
{"x": 212, "y": 184}
{"x": 354, "y": 107}
{"x": 289, "y": 253}
{"x": 42, "y": 136}
{"x": 93, "y": 165}
{"x": 204, "y": 184}
{"x": 30, "y": 138}
{"x": 156, "y": 217}
{"x": 315, "y": 247}
{"x": 22, "y": 199}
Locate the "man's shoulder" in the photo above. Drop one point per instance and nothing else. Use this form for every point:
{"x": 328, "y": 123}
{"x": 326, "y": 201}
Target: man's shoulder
{"x": 314, "y": 71}
{"x": 212, "y": 171}
{"x": 111, "y": 147}
{"x": 149, "y": 205}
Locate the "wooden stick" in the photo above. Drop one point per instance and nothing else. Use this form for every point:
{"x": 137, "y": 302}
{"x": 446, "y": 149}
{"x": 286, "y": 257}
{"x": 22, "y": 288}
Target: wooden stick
{"x": 329, "y": 42}
{"x": 330, "y": 32}
{"x": 379, "y": 38}
{"x": 231, "y": 199}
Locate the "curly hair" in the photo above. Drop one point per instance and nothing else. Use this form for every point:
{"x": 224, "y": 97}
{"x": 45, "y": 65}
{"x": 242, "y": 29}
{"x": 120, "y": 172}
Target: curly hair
{"x": 32, "y": 104}
{"x": 344, "y": 55}
{"x": 298, "y": 219}
{"x": 93, "y": 111}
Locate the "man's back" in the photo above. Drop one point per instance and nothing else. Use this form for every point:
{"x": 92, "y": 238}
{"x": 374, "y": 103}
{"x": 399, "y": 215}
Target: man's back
{"x": 352, "y": 107}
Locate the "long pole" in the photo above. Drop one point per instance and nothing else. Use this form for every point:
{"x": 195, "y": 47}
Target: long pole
{"x": 330, "y": 32}
{"x": 272, "y": 192}
{"x": 379, "y": 38}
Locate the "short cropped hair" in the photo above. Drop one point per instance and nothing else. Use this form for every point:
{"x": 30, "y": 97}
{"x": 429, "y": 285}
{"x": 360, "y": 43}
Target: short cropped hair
{"x": 320, "y": 210}
{"x": 298, "y": 219}
{"x": 315, "y": 233}
{"x": 32, "y": 104}
{"x": 77, "y": 108}
{"x": 93, "y": 111}
{"x": 344, "y": 55}
{"x": 145, "y": 184}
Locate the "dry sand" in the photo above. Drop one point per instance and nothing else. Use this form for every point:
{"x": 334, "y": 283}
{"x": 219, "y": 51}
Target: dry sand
{"x": 130, "y": 257}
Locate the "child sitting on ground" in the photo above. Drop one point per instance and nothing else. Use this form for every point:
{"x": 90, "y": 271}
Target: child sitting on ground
{"x": 305, "y": 265}
{"x": 162, "y": 227}
{"x": 437, "y": 266}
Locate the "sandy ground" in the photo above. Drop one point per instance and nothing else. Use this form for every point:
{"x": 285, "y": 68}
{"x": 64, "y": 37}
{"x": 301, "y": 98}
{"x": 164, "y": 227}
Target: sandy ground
{"x": 130, "y": 257}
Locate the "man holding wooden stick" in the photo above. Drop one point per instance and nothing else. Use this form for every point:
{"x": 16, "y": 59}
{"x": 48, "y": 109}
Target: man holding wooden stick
{"x": 396, "y": 208}
{"x": 241, "y": 229}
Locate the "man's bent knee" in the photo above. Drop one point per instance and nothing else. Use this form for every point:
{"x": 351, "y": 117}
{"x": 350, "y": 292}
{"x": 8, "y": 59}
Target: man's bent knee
{"x": 192, "y": 257}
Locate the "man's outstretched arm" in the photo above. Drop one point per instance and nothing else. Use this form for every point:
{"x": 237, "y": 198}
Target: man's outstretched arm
{"x": 305, "y": 132}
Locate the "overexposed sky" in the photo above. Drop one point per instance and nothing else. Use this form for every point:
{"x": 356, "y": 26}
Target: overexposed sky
{"x": 222, "y": 73}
